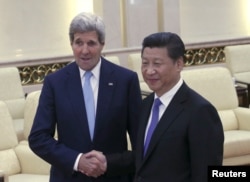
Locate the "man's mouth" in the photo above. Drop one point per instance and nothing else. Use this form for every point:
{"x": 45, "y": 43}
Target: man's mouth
{"x": 85, "y": 59}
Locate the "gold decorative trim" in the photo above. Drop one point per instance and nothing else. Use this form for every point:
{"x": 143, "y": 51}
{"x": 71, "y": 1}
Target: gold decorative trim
{"x": 204, "y": 56}
{"x": 36, "y": 74}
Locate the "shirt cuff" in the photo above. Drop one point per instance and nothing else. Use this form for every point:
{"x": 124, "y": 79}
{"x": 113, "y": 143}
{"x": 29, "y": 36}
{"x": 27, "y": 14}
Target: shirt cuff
{"x": 76, "y": 162}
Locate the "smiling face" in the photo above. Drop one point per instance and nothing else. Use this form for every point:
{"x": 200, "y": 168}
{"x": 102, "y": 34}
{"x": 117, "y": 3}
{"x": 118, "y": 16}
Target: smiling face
{"x": 159, "y": 71}
{"x": 86, "y": 49}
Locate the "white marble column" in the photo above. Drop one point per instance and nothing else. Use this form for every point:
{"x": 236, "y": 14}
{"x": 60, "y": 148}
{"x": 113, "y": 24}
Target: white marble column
{"x": 141, "y": 20}
{"x": 110, "y": 11}
{"x": 171, "y": 16}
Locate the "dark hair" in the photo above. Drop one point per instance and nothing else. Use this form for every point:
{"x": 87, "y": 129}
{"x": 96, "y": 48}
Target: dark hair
{"x": 171, "y": 41}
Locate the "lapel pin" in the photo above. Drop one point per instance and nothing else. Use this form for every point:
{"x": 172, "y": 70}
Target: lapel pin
{"x": 110, "y": 84}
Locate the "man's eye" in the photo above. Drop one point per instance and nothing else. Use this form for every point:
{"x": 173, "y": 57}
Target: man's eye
{"x": 91, "y": 43}
{"x": 79, "y": 43}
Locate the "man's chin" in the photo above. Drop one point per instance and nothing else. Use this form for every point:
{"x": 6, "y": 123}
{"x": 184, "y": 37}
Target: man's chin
{"x": 84, "y": 65}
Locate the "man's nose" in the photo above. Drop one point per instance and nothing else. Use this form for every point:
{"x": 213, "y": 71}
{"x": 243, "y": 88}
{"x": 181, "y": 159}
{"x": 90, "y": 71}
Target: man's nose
{"x": 150, "y": 70}
{"x": 85, "y": 49}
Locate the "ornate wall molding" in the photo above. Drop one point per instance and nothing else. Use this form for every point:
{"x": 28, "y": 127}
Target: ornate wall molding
{"x": 34, "y": 74}
{"x": 207, "y": 53}
{"x": 204, "y": 56}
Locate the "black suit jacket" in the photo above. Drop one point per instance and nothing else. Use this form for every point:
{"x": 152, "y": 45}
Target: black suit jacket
{"x": 61, "y": 105}
{"x": 188, "y": 138}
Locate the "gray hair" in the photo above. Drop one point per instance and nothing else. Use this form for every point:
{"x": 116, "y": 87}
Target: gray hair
{"x": 86, "y": 22}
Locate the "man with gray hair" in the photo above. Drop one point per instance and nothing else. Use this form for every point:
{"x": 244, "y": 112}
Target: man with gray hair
{"x": 92, "y": 104}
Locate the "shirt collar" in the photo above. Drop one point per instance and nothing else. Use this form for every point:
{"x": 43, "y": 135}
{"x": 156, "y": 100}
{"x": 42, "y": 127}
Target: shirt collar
{"x": 170, "y": 94}
{"x": 95, "y": 71}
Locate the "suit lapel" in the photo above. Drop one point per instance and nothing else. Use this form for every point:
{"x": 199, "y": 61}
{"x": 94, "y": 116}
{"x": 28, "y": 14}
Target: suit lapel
{"x": 75, "y": 94}
{"x": 174, "y": 109}
{"x": 107, "y": 85}
{"x": 143, "y": 120}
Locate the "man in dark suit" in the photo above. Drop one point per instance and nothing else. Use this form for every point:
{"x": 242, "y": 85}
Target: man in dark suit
{"x": 64, "y": 107}
{"x": 188, "y": 136}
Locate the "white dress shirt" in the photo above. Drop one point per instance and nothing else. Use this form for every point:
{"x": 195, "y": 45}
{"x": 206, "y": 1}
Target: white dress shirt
{"x": 165, "y": 100}
{"x": 94, "y": 81}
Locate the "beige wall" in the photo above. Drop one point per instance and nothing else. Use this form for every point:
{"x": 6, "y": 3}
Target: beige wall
{"x": 34, "y": 29}
{"x": 203, "y": 20}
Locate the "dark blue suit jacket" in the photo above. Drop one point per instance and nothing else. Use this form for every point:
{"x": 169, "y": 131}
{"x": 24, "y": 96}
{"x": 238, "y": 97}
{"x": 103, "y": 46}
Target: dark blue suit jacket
{"x": 61, "y": 107}
{"x": 188, "y": 138}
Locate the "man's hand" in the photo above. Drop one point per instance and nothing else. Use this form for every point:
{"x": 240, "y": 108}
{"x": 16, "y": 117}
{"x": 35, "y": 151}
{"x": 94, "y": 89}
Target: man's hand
{"x": 93, "y": 164}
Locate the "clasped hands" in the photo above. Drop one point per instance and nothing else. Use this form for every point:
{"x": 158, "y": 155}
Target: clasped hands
{"x": 92, "y": 164}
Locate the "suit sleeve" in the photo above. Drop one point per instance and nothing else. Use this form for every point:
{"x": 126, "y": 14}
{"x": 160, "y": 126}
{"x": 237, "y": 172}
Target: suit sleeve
{"x": 41, "y": 138}
{"x": 121, "y": 163}
{"x": 206, "y": 138}
{"x": 124, "y": 163}
{"x": 135, "y": 102}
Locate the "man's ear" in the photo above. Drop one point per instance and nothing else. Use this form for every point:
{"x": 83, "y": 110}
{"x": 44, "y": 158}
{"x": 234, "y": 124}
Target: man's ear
{"x": 180, "y": 63}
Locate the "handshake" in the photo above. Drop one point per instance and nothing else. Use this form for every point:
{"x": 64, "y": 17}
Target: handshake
{"x": 92, "y": 164}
